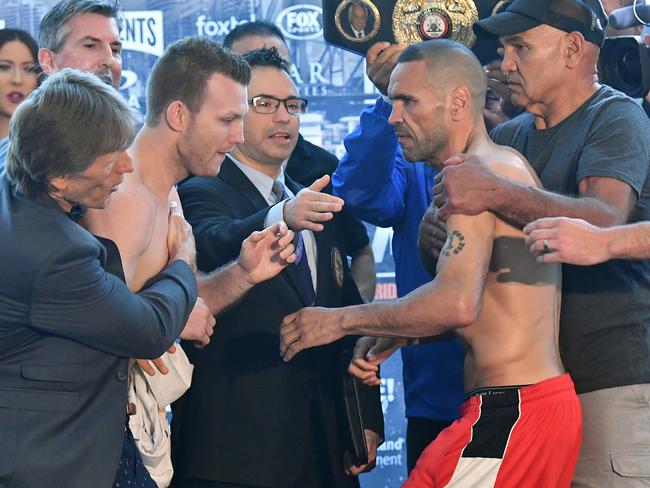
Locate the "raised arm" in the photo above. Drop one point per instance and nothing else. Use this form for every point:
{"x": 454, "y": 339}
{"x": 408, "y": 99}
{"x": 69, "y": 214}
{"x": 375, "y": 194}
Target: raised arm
{"x": 603, "y": 201}
{"x": 372, "y": 175}
{"x": 452, "y": 300}
{"x": 218, "y": 236}
{"x": 609, "y": 177}
{"x": 264, "y": 254}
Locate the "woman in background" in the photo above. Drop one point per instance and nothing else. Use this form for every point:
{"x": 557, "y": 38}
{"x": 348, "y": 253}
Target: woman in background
{"x": 19, "y": 72}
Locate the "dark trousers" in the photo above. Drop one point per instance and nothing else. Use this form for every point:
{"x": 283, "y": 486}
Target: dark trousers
{"x": 421, "y": 432}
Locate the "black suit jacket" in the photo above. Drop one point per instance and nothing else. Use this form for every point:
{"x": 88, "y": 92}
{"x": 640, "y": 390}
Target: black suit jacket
{"x": 246, "y": 417}
{"x": 67, "y": 327}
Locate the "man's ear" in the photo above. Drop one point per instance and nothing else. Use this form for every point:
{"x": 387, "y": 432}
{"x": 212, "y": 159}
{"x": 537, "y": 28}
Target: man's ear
{"x": 59, "y": 184}
{"x": 574, "y": 49}
{"x": 460, "y": 102}
{"x": 177, "y": 116}
{"x": 47, "y": 60}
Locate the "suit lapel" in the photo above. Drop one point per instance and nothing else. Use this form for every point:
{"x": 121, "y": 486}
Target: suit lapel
{"x": 232, "y": 175}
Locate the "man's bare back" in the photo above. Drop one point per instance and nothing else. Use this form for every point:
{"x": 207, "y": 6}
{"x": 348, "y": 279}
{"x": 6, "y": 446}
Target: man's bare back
{"x": 514, "y": 340}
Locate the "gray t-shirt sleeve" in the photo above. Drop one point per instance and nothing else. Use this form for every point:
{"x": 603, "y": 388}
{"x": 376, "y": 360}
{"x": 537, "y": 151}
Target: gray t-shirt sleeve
{"x": 618, "y": 146}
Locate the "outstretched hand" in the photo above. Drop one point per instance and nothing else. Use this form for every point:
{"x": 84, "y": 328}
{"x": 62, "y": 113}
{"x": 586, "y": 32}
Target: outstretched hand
{"x": 309, "y": 208}
{"x": 309, "y": 327}
{"x": 264, "y": 254}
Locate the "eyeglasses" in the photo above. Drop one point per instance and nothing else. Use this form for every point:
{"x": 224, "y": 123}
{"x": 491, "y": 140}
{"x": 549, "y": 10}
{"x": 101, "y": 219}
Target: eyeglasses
{"x": 269, "y": 105}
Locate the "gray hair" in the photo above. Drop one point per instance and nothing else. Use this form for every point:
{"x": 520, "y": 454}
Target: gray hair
{"x": 357, "y": 3}
{"x": 63, "y": 127}
{"x": 54, "y": 30}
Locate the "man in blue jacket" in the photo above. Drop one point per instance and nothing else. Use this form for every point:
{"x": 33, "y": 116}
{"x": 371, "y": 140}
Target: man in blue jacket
{"x": 380, "y": 187}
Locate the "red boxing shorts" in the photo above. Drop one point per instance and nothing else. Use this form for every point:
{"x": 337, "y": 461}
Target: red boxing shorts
{"x": 507, "y": 438}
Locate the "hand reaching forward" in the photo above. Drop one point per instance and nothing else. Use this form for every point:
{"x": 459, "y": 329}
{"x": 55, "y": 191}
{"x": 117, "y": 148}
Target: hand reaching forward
{"x": 309, "y": 327}
{"x": 266, "y": 253}
{"x": 310, "y": 207}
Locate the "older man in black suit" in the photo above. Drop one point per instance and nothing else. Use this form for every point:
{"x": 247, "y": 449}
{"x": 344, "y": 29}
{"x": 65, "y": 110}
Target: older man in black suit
{"x": 67, "y": 326}
{"x": 249, "y": 419}
{"x": 358, "y": 23}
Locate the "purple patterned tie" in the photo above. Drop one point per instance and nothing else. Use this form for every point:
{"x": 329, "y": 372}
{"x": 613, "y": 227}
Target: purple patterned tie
{"x": 302, "y": 270}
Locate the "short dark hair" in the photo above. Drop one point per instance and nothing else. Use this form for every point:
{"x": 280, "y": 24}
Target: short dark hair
{"x": 9, "y": 35}
{"x": 450, "y": 61}
{"x": 259, "y": 28}
{"x": 266, "y": 57}
{"x": 53, "y": 33}
{"x": 62, "y": 127}
{"x": 182, "y": 72}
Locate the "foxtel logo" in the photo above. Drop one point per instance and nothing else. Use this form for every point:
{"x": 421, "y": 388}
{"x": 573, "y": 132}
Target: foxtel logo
{"x": 214, "y": 28}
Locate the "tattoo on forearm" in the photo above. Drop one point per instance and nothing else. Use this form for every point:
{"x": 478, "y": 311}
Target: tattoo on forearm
{"x": 455, "y": 243}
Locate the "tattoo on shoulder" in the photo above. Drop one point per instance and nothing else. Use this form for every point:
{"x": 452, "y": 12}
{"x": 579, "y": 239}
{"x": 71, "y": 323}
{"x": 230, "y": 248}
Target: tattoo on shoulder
{"x": 455, "y": 243}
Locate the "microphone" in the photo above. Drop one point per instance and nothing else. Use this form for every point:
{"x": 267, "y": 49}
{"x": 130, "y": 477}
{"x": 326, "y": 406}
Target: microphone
{"x": 624, "y": 18}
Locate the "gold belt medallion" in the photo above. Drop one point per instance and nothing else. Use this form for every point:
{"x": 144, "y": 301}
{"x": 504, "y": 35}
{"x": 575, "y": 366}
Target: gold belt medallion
{"x": 423, "y": 20}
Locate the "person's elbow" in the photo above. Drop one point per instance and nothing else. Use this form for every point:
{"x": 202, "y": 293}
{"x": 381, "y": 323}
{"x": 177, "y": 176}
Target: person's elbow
{"x": 155, "y": 345}
{"x": 466, "y": 310}
{"x": 157, "y": 329}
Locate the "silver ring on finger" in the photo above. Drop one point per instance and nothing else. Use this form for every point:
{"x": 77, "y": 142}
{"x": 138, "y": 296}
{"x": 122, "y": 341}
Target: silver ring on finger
{"x": 545, "y": 245}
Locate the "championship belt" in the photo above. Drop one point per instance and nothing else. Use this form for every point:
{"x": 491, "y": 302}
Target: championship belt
{"x": 424, "y": 20}
{"x": 356, "y": 25}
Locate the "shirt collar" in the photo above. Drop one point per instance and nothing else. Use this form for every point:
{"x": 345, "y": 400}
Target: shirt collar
{"x": 261, "y": 181}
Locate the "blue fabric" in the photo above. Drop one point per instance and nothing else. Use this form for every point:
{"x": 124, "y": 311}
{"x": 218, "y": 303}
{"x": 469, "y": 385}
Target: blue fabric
{"x": 380, "y": 187}
{"x": 131, "y": 473}
{"x": 4, "y": 147}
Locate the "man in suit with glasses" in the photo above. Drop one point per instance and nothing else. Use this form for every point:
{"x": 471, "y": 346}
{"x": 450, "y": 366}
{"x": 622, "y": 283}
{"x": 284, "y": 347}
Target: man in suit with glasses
{"x": 249, "y": 419}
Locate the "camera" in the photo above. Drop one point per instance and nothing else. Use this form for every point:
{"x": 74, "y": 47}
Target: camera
{"x": 624, "y": 61}
{"x": 624, "y": 64}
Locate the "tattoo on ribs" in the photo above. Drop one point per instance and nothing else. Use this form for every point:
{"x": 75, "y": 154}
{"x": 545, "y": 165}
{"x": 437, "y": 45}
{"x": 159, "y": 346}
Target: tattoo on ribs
{"x": 455, "y": 243}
